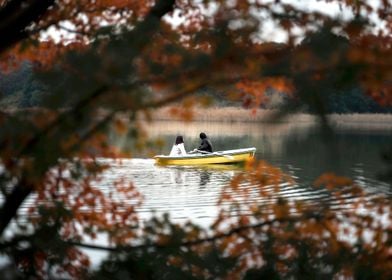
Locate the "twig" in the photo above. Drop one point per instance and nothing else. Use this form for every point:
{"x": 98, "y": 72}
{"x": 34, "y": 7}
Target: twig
{"x": 182, "y": 244}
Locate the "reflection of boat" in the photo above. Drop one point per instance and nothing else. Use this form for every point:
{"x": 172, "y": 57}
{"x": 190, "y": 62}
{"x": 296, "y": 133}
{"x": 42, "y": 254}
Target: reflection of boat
{"x": 221, "y": 157}
{"x": 222, "y": 167}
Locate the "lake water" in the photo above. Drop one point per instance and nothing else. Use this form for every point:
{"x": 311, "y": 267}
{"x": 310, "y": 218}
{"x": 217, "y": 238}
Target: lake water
{"x": 301, "y": 150}
{"x": 191, "y": 193}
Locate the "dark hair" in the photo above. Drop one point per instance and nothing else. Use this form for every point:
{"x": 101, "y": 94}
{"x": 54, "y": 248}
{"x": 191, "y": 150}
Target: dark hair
{"x": 203, "y": 135}
{"x": 179, "y": 140}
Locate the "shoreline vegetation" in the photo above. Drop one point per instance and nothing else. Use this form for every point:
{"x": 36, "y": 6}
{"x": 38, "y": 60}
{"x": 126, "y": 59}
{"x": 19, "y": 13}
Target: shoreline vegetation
{"x": 238, "y": 115}
{"x": 235, "y": 114}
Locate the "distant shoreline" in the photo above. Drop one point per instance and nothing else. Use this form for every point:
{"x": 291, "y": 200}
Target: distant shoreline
{"x": 235, "y": 114}
{"x": 227, "y": 115}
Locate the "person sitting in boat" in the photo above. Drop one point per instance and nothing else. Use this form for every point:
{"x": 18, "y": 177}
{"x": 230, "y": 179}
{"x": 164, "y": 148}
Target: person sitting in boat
{"x": 205, "y": 144}
{"x": 178, "y": 148}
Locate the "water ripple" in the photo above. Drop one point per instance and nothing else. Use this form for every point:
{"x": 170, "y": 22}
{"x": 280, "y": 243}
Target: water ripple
{"x": 191, "y": 193}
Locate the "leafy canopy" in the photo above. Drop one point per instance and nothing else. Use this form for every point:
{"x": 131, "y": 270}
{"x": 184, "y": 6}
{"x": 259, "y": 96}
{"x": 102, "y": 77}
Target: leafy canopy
{"x": 126, "y": 57}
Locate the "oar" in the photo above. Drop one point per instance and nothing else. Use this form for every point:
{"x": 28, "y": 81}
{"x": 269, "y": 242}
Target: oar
{"x": 215, "y": 153}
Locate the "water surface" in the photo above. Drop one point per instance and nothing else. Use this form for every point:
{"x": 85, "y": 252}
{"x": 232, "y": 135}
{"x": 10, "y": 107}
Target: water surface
{"x": 301, "y": 150}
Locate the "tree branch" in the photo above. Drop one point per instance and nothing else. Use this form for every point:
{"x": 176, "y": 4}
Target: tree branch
{"x": 16, "y": 16}
{"x": 186, "y": 243}
{"x": 141, "y": 34}
{"x": 186, "y": 91}
{"x": 12, "y": 203}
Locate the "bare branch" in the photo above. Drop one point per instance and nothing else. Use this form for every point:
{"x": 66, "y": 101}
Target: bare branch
{"x": 187, "y": 243}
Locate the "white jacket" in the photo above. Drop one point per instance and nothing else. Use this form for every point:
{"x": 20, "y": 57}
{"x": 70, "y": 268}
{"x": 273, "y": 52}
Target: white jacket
{"x": 178, "y": 150}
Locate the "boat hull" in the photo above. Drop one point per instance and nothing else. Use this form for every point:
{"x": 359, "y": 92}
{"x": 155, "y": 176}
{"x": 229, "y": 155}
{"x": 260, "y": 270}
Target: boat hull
{"x": 221, "y": 157}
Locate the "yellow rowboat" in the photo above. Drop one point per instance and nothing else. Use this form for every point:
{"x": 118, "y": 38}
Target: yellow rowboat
{"x": 201, "y": 157}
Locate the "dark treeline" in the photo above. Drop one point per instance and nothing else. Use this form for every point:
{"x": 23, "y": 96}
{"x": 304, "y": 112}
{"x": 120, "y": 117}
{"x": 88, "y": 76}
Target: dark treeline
{"x": 353, "y": 101}
{"x": 21, "y": 89}
{"x": 340, "y": 102}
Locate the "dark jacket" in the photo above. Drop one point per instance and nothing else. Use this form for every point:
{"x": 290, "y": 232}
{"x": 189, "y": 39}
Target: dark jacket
{"x": 205, "y": 145}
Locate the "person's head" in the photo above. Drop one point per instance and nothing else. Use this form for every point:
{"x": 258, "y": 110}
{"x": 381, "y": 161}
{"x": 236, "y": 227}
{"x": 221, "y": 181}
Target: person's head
{"x": 203, "y": 135}
{"x": 179, "y": 140}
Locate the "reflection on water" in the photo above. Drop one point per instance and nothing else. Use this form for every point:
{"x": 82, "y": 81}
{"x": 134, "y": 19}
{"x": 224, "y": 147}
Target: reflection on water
{"x": 204, "y": 177}
{"x": 183, "y": 192}
{"x": 300, "y": 150}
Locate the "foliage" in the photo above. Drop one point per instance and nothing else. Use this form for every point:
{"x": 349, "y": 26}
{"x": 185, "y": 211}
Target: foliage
{"x": 127, "y": 58}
